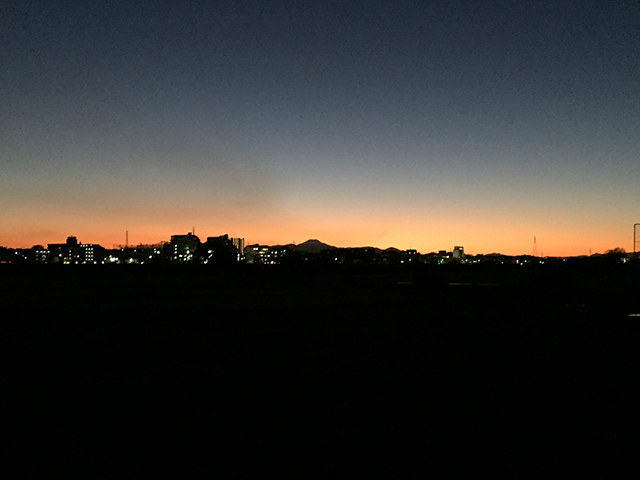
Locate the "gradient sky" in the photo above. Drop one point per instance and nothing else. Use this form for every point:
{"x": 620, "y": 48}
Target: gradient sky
{"x": 412, "y": 124}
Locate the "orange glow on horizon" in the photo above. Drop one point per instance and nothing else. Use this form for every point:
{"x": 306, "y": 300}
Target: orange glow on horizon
{"x": 442, "y": 235}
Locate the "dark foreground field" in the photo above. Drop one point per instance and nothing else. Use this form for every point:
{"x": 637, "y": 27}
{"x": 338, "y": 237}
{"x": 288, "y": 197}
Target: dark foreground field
{"x": 325, "y": 373}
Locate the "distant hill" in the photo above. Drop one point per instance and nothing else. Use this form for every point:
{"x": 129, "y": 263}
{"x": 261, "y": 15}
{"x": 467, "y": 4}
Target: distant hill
{"x": 313, "y": 246}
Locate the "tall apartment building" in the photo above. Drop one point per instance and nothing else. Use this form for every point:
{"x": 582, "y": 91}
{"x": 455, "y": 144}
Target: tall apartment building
{"x": 183, "y": 247}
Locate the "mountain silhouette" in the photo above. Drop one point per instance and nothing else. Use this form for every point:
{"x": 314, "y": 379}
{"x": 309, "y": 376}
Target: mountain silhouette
{"x": 313, "y": 246}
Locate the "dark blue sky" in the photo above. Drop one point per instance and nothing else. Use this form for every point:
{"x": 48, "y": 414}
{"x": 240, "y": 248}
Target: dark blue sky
{"x": 422, "y": 124}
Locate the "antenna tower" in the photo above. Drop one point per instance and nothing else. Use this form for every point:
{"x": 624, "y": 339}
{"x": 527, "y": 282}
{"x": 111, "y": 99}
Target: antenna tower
{"x": 126, "y": 240}
{"x": 635, "y": 242}
{"x": 535, "y": 247}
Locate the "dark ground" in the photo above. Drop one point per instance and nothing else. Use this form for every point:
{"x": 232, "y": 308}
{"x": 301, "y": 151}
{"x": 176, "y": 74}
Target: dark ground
{"x": 324, "y": 373}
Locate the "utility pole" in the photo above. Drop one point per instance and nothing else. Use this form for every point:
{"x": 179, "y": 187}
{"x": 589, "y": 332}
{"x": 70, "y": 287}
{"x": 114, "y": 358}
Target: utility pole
{"x": 635, "y": 226}
{"x": 535, "y": 247}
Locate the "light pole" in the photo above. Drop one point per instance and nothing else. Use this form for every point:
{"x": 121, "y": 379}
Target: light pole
{"x": 635, "y": 225}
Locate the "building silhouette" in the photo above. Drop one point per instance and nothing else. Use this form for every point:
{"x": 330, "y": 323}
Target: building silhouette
{"x": 183, "y": 247}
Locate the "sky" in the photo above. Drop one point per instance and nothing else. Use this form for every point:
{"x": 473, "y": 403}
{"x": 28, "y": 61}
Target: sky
{"x": 413, "y": 124}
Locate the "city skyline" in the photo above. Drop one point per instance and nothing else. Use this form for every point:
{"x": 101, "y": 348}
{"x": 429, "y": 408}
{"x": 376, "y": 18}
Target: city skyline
{"x": 317, "y": 244}
{"x": 407, "y": 125}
